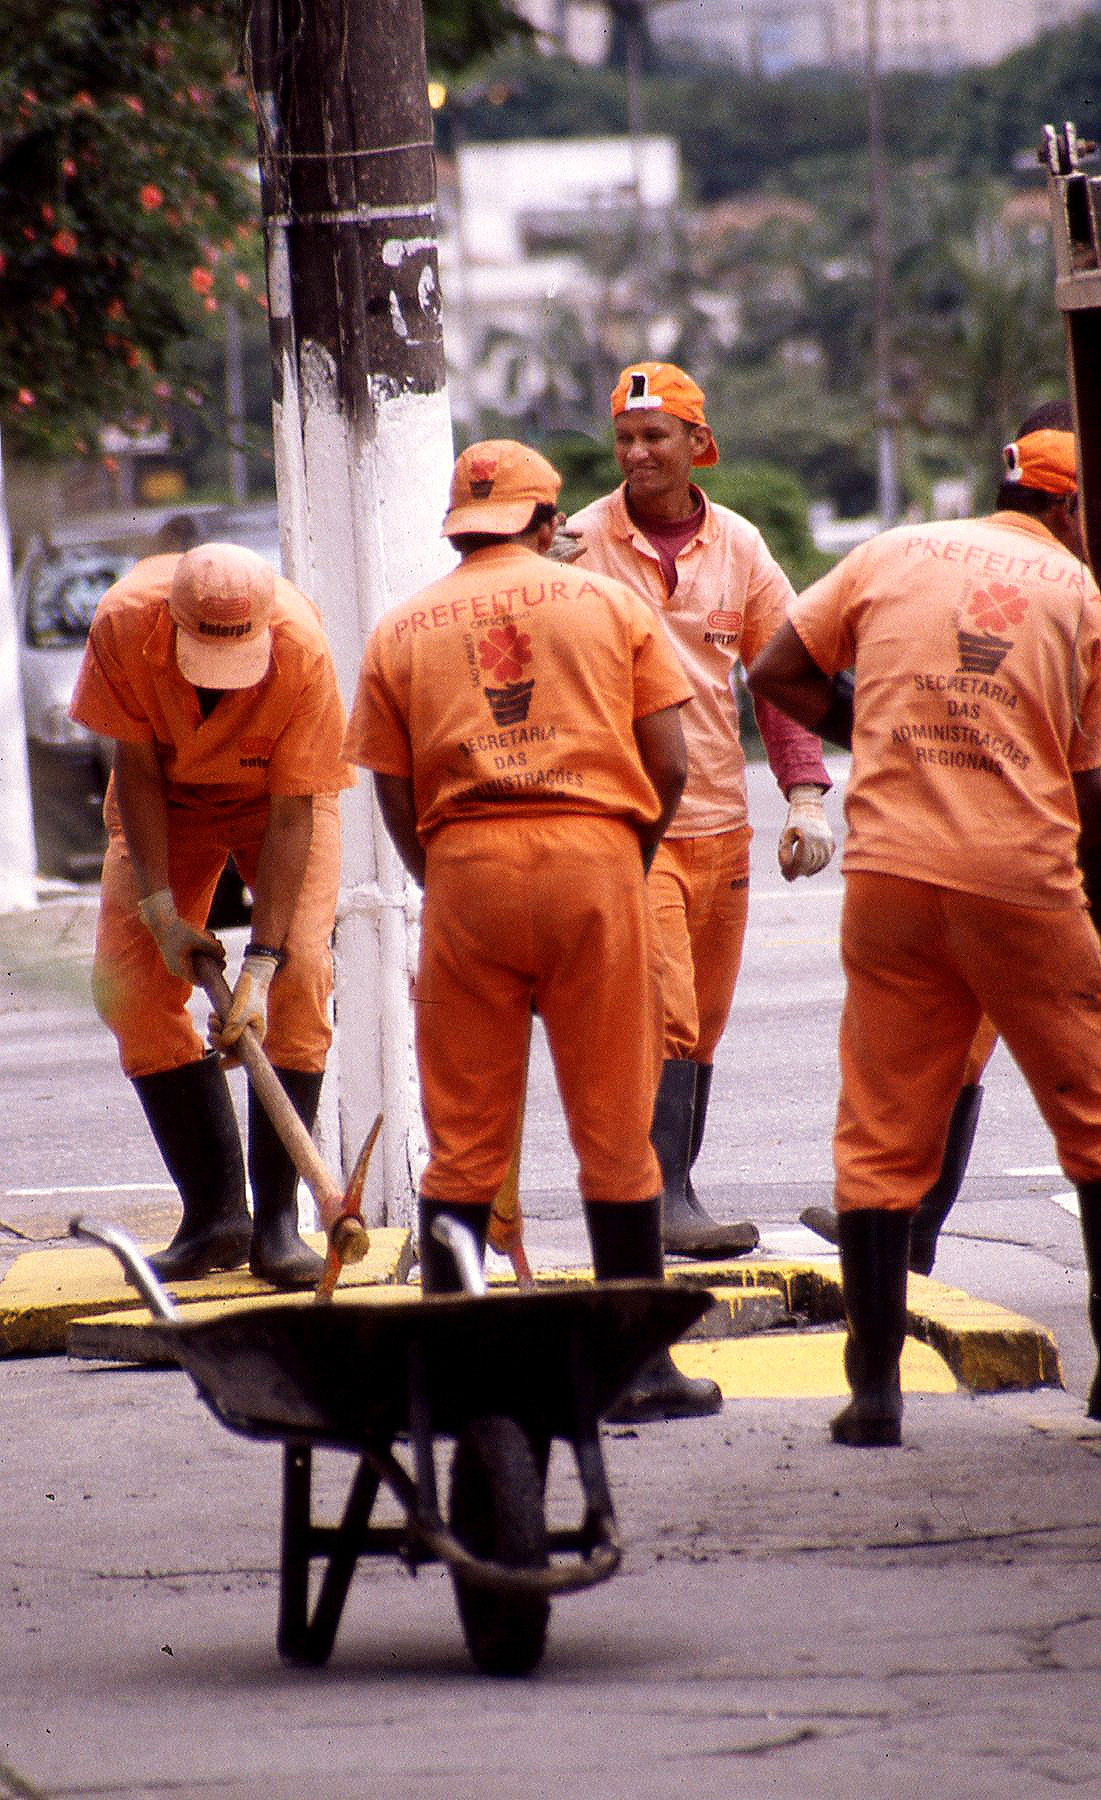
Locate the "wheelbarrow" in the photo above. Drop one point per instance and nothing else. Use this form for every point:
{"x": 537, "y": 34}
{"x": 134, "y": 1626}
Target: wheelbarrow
{"x": 501, "y": 1373}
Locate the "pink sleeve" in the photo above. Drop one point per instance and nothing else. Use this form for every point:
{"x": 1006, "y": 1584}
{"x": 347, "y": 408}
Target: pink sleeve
{"x": 794, "y": 753}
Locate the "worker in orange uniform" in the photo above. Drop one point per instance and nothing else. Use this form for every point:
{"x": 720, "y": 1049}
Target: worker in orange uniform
{"x": 213, "y": 676}
{"x": 975, "y": 728}
{"x": 708, "y": 575}
{"x": 522, "y": 723}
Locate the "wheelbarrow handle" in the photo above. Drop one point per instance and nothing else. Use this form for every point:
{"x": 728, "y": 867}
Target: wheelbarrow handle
{"x": 144, "y": 1278}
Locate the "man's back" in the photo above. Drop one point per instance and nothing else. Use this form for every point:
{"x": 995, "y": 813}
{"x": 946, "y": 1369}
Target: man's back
{"x": 978, "y": 668}
{"x": 514, "y": 680}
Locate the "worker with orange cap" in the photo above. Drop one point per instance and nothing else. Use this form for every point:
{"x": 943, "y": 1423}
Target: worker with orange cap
{"x": 708, "y": 575}
{"x": 213, "y": 677}
{"x": 522, "y": 721}
{"x": 974, "y": 796}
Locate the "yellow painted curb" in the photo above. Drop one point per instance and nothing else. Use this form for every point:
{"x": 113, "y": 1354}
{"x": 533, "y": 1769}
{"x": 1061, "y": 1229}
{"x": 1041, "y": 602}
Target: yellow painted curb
{"x": 987, "y": 1348}
{"x": 44, "y": 1291}
{"x": 791, "y": 1365}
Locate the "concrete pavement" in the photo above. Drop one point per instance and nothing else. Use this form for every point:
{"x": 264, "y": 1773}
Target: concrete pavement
{"x": 792, "y": 1617}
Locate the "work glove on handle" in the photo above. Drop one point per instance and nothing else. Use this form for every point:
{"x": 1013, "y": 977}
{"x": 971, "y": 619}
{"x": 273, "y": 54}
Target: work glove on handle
{"x": 806, "y": 842}
{"x": 177, "y": 941}
{"x": 248, "y": 1010}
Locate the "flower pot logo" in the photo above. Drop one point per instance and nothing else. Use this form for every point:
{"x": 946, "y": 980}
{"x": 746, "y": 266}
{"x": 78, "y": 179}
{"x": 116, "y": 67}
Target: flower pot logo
{"x": 503, "y": 654}
{"x": 483, "y": 473}
{"x": 993, "y": 608}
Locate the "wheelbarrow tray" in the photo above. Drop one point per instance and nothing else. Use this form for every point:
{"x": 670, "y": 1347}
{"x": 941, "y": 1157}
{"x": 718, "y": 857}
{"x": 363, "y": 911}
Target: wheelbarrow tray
{"x": 342, "y": 1375}
{"x": 503, "y": 1373}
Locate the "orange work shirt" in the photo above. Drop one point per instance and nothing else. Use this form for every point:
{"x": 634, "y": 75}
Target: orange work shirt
{"x": 978, "y": 692}
{"x": 511, "y": 686}
{"x": 282, "y": 736}
{"x": 731, "y": 595}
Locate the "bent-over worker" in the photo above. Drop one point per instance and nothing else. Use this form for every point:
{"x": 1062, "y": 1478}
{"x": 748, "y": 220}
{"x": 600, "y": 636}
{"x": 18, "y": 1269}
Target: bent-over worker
{"x": 213, "y": 676}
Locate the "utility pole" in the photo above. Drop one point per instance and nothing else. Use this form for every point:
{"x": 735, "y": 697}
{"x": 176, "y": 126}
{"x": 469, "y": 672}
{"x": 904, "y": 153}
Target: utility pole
{"x": 362, "y": 454}
{"x": 18, "y": 888}
{"x": 887, "y": 502}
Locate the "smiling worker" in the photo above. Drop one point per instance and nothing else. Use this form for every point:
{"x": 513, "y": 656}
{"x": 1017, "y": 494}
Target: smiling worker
{"x": 709, "y": 576}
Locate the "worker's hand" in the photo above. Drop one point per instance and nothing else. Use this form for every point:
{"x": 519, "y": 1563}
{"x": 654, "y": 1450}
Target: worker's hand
{"x": 566, "y": 546}
{"x": 248, "y": 1010}
{"x": 806, "y": 842}
{"x": 177, "y": 941}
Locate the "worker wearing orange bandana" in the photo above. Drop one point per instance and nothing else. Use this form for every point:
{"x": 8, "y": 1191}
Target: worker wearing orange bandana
{"x": 975, "y": 728}
{"x": 212, "y": 675}
{"x": 522, "y": 723}
{"x": 709, "y": 577}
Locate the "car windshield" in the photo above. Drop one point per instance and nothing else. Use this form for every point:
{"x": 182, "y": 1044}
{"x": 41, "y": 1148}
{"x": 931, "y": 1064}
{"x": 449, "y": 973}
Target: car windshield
{"x": 63, "y": 595}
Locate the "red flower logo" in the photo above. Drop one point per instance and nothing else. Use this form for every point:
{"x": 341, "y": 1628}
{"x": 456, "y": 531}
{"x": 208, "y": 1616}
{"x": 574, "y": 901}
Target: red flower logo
{"x": 504, "y": 651}
{"x": 997, "y": 605}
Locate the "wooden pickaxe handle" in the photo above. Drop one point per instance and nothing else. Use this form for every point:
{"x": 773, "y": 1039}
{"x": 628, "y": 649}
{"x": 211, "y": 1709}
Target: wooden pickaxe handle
{"x": 274, "y": 1099}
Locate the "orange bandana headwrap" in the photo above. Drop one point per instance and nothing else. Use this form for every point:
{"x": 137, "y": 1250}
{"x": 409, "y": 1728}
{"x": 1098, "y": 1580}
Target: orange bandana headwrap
{"x": 1045, "y": 460}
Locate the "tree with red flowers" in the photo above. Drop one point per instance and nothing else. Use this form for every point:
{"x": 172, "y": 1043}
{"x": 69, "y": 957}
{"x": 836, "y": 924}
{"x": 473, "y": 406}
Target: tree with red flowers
{"x": 128, "y": 204}
{"x": 125, "y": 155}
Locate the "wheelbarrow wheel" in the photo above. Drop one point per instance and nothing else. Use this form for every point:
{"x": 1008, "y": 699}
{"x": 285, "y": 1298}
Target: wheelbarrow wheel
{"x": 497, "y": 1514}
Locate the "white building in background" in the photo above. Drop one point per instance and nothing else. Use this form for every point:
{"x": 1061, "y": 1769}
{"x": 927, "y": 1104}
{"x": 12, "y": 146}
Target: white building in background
{"x": 772, "y": 36}
{"x": 512, "y": 281}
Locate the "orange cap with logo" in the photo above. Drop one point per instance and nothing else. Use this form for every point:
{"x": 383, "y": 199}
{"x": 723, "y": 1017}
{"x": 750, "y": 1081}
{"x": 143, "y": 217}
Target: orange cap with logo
{"x": 1046, "y": 460}
{"x": 662, "y": 387}
{"x": 496, "y": 486}
{"x": 222, "y": 598}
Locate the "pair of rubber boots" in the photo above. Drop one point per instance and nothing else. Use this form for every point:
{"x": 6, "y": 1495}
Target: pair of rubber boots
{"x": 191, "y": 1116}
{"x": 680, "y": 1116}
{"x": 875, "y": 1255}
{"x": 626, "y": 1246}
{"x": 934, "y": 1207}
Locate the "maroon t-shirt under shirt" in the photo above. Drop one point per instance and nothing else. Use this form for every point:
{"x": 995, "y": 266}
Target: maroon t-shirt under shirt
{"x": 669, "y": 537}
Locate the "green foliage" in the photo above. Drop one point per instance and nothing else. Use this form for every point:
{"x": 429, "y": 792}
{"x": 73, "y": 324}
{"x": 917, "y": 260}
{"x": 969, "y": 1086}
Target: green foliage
{"x": 124, "y": 137}
{"x": 460, "y": 33}
{"x": 775, "y": 501}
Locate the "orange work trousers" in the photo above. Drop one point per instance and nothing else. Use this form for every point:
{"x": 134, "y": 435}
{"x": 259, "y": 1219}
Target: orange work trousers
{"x": 699, "y": 896}
{"x": 145, "y": 1006}
{"x": 923, "y": 964}
{"x": 550, "y": 913}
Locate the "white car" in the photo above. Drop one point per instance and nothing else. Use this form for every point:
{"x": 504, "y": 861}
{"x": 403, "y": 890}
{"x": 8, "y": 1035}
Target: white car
{"x": 57, "y": 589}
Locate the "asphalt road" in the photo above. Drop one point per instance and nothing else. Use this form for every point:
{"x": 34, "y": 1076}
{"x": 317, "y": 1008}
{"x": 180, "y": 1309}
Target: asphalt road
{"x": 792, "y": 1617}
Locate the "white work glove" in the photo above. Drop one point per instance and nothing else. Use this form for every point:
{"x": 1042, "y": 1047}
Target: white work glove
{"x": 806, "y": 842}
{"x": 248, "y": 1010}
{"x": 566, "y": 546}
{"x": 177, "y": 941}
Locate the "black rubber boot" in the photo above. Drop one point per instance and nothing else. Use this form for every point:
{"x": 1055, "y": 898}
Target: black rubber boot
{"x": 934, "y": 1207}
{"x": 277, "y": 1253}
{"x": 686, "y": 1230}
{"x": 626, "y": 1243}
{"x": 439, "y": 1274}
{"x": 1089, "y": 1208}
{"x": 191, "y": 1116}
{"x": 874, "y": 1246}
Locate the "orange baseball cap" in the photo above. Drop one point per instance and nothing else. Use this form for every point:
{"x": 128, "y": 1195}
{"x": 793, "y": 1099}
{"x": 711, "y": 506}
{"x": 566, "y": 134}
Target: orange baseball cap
{"x": 1046, "y": 460}
{"x": 222, "y": 598}
{"x": 662, "y": 387}
{"x": 496, "y": 486}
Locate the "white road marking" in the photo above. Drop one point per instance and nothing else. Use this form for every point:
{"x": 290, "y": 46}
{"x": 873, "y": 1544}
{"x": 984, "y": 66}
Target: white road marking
{"x": 115, "y": 1187}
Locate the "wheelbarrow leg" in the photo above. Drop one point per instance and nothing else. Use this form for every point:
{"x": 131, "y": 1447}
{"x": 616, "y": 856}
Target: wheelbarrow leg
{"x": 302, "y": 1638}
